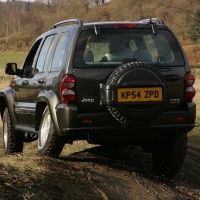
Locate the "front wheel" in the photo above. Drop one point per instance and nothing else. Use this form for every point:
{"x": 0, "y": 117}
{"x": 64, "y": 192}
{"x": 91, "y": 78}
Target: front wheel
{"x": 170, "y": 155}
{"x": 49, "y": 143}
{"x": 12, "y": 139}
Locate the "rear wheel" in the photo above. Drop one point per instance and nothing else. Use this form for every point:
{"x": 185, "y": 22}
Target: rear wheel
{"x": 170, "y": 155}
{"x": 12, "y": 139}
{"x": 49, "y": 142}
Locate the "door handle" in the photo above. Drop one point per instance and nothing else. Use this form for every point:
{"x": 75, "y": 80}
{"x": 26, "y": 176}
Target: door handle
{"x": 41, "y": 80}
{"x": 25, "y": 82}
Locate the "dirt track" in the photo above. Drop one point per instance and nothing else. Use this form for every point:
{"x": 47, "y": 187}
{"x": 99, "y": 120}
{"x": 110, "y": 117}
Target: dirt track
{"x": 96, "y": 174}
{"x": 116, "y": 179}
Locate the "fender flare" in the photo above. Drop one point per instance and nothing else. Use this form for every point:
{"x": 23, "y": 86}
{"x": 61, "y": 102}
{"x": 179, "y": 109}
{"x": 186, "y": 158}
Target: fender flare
{"x": 7, "y": 99}
{"x": 50, "y": 99}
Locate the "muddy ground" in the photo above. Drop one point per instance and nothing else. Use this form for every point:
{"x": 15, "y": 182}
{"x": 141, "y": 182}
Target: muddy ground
{"x": 96, "y": 174}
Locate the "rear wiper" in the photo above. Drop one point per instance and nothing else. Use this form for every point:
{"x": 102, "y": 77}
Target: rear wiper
{"x": 97, "y": 29}
{"x": 154, "y": 29}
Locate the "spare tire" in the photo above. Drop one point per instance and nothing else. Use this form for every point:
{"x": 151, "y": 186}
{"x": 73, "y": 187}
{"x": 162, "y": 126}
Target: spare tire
{"x": 140, "y": 76}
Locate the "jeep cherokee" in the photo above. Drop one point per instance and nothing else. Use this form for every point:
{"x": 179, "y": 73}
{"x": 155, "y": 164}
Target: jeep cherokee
{"x": 110, "y": 83}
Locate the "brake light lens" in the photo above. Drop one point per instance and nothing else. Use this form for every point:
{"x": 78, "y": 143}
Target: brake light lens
{"x": 190, "y": 79}
{"x": 68, "y": 89}
{"x": 189, "y": 89}
{"x": 126, "y": 25}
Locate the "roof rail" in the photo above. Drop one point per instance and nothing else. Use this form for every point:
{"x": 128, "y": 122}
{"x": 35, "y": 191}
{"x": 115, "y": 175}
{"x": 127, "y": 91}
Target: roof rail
{"x": 152, "y": 21}
{"x": 75, "y": 21}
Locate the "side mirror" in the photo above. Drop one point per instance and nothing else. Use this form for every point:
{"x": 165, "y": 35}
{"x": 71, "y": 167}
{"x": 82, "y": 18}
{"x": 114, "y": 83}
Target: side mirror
{"x": 11, "y": 69}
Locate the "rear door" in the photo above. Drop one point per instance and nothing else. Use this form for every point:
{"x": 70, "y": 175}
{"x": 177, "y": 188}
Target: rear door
{"x": 97, "y": 55}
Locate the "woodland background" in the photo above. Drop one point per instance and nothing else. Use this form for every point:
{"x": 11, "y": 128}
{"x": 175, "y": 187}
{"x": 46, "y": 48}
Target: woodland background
{"x": 21, "y": 22}
{"x": 90, "y": 174}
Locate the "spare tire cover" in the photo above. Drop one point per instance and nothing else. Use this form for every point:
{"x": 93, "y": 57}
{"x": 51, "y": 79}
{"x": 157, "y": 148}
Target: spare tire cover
{"x": 130, "y": 75}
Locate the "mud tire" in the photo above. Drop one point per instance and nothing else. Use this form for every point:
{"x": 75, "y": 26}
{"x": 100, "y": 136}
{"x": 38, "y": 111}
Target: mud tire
{"x": 170, "y": 155}
{"x": 12, "y": 139}
{"x": 49, "y": 142}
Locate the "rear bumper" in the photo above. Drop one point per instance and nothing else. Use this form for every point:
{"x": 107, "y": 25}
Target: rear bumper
{"x": 70, "y": 121}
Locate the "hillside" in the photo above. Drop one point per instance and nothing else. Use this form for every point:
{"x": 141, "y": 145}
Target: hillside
{"x": 193, "y": 54}
{"x": 84, "y": 171}
{"x": 21, "y": 22}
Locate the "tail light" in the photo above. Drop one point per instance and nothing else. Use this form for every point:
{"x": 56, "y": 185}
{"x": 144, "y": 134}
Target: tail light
{"x": 68, "y": 89}
{"x": 189, "y": 89}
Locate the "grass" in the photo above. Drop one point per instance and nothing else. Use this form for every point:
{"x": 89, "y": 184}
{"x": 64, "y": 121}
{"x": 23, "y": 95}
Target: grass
{"x": 196, "y": 72}
{"x": 11, "y": 57}
{"x": 29, "y": 157}
{"x": 29, "y": 176}
{"x": 194, "y": 136}
{"x": 196, "y": 130}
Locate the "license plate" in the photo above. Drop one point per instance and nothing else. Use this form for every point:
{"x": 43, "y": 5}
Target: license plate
{"x": 139, "y": 94}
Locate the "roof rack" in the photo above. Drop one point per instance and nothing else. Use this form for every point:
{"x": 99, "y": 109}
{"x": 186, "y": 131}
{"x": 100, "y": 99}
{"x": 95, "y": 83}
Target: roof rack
{"x": 75, "y": 21}
{"x": 152, "y": 21}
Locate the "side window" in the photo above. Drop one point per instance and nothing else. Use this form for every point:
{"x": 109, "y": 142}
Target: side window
{"x": 43, "y": 54}
{"x": 49, "y": 55}
{"x": 60, "y": 52}
{"x": 28, "y": 64}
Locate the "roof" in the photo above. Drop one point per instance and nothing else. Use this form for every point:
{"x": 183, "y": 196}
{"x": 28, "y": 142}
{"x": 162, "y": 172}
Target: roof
{"x": 78, "y": 22}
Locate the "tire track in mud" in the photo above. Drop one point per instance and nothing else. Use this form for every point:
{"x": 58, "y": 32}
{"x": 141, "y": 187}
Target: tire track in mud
{"x": 114, "y": 179}
{"x": 188, "y": 180}
{"x": 162, "y": 188}
{"x": 104, "y": 196}
{"x": 92, "y": 174}
{"x": 185, "y": 186}
{"x": 140, "y": 182}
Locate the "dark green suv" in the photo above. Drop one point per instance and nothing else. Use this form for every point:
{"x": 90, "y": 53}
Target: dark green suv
{"x": 110, "y": 83}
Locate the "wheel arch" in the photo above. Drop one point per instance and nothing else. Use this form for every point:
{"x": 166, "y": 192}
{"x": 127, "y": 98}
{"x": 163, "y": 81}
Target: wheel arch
{"x": 7, "y": 99}
{"x": 38, "y": 113}
{"x": 3, "y": 105}
{"x": 50, "y": 99}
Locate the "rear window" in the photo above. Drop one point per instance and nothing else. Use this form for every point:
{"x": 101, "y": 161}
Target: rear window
{"x": 112, "y": 47}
